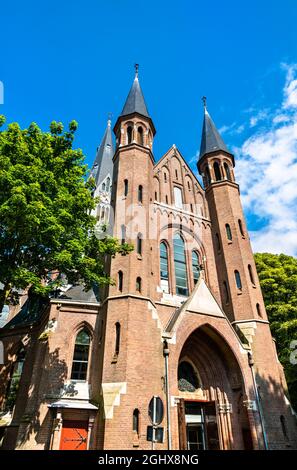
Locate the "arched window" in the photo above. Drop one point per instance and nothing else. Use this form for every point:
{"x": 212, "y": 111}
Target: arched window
{"x": 207, "y": 176}
{"x": 227, "y": 171}
{"x": 138, "y": 284}
{"x": 108, "y": 184}
{"x": 102, "y": 215}
{"x": 240, "y": 227}
{"x": 178, "y": 197}
{"x": 187, "y": 377}
{"x": 129, "y": 134}
{"x": 117, "y": 339}
{"x": 189, "y": 185}
{"x": 125, "y": 187}
{"x": 123, "y": 234}
{"x": 103, "y": 186}
{"x": 180, "y": 266}
{"x": 238, "y": 280}
{"x": 191, "y": 208}
{"x": 251, "y": 274}
{"x": 228, "y": 232}
{"x": 165, "y": 178}
{"x": 156, "y": 196}
{"x": 140, "y": 135}
{"x": 218, "y": 243}
{"x": 195, "y": 266}
{"x": 120, "y": 281}
{"x": 176, "y": 174}
{"x": 259, "y": 310}
{"x": 139, "y": 244}
{"x": 283, "y": 425}
{"x": 166, "y": 199}
{"x": 14, "y": 380}
{"x": 226, "y": 292}
{"x": 217, "y": 171}
{"x": 140, "y": 193}
{"x": 135, "y": 423}
{"x": 81, "y": 356}
{"x": 164, "y": 275}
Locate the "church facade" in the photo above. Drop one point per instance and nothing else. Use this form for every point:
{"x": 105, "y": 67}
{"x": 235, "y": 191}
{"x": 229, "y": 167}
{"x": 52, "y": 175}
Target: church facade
{"x": 184, "y": 320}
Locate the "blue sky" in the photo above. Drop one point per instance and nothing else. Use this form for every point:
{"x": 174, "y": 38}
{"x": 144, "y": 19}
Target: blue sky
{"x": 74, "y": 60}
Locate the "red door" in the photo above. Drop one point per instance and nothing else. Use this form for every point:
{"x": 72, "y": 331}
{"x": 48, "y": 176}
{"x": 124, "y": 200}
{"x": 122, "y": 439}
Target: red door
{"x": 74, "y": 435}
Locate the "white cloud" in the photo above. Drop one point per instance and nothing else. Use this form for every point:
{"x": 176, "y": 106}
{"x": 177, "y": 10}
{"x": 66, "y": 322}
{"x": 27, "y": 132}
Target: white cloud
{"x": 267, "y": 173}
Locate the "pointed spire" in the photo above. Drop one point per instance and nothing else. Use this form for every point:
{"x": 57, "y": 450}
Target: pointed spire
{"x": 103, "y": 164}
{"x": 135, "y": 101}
{"x": 211, "y": 141}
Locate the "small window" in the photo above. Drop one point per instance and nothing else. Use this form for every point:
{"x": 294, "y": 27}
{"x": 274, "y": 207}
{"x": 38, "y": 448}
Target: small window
{"x": 123, "y": 234}
{"x": 189, "y": 186}
{"x": 138, "y": 284}
{"x": 217, "y": 171}
{"x": 166, "y": 199}
{"x": 129, "y": 134}
{"x": 139, "y": 244}
{"x": 140, "y": 194}
{"x": 195, "y": 266}
{"x": 226, "y": 292}
{"x": 227, "y": 171}
{"x": 240, "y": 227}
{"x": 118, "y": 338}
{"x": 187, "y": 377}
{"x": 178, "y": 197}
{"x": 218, "y": 243}
{"x": 176, "y": 174}
{"x": 120, "y": 281}
{"x": 103, "y": 186}
{"x": 165, "y": 178}
{"x": 156, "y": 196}
{"x": 207, "y": 176}
{"x": 238, "y": 280}
{"x": 140, "y": 135}
{"x": 108, "y": 184}
{"x": 135, "y": 424}
{"x": 259, "y": 310}
{"x": 251, "y": 274}
{"x": 126, "y": 188}
{"x": 81, "y": 356}
{"x": 228, "y": 232}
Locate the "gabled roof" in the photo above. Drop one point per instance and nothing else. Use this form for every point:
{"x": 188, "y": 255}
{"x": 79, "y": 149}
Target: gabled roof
{"x": 30, "y": 313}
{"x": 103, "y": 165}
{"x": 211, "y": 141}
{"x": 135, "y": 102}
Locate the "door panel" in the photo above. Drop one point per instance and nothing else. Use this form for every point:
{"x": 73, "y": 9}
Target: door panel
{"x": 74, "y": 435}
{"x": 211, "y": 426}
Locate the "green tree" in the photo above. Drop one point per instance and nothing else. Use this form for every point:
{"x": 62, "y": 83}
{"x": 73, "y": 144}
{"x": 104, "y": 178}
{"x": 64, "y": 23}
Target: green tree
{"x": 278, "y": 279}
{"x": 45, "y": 204}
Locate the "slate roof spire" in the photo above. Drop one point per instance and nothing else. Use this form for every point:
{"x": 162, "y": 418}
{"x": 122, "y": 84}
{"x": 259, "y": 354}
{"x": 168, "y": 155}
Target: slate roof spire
{"x": 103, "y": 164}
{"x": 135, "y": 102}
{"x": 211, "y": 141}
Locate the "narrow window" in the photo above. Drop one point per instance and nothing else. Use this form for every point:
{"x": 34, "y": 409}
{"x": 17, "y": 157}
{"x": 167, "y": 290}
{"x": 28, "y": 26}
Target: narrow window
{"x": 108, "y": 184}
{"x": 138, "y": 284}
{"x": 81, "y": 356}
{"x": 140, "y": 135}
{"x": 238, "y": 280}
{"x": 178, "y": 197}
{"x": 164, "y": 275}
{"x": 120, "y": 281}
{"x": 207, "y": 176}
{"x": 156, "y": 196}
{"x": 259, "y": 310}
{"x": 228, "y": 232}
{"x": 240, "y": 228}
{"x": 283, "y": 425}
{"x": 218, "y": 242}
{"x": 251, "y": 274}
{"x": 103, "y": 186}
{"x": 195, "y": 266}
{"x": 191, "y": 207}
{"x": 166, "y": 199}
{"x": 227, "y": 171}
{"x": 129, "y": 134}
{"x": 125, "y": 188}
{"x": 217, "y": 171}
{"x": 176, "y": 174}
{"x": 123, "y": 234}
{"x": 140, "y": 193}
{"x": 118, "y": 338}
{"x": 189, "y": 186}
{"x": 226, "y": 292}
{"x": 180, "y": 265}
{"x": 135, "y": 423}
{"x": 165, "y": 178}
{"x": 14, "y": 381}
{"x": 139, "y": 244}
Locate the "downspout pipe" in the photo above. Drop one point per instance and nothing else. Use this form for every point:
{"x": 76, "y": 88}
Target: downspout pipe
{"x": 166, "y": 356}
{"x": 251, "y": 364}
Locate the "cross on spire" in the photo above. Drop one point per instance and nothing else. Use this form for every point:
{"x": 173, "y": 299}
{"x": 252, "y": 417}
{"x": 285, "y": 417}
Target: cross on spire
{"x": 204, "y": 101}
{"x": 136, "y": 70}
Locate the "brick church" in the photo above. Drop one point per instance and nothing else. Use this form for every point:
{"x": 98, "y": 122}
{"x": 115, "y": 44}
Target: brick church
{"x": 184, "y": 321}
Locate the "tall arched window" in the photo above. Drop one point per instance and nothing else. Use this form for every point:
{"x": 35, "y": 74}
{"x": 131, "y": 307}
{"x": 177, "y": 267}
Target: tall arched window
{"x": 259, "y": 310}
{"x": 108, "y": 184}
{"x": 164, "y": 275}
{"x": 227, "y": 171}
{"x": 120, "y": 281}
{"x": 251, "y": 274}
{"x": 140, "y": 135}
{"x": 135, "y": 423}
{"x": 117, "y": 339}
{"x": 14, "y": 380}
{"x": 195, "y": 266}
{"x": 125, "y": 187}
{"x": 180, "y": 266}
{"x": 129, "y": 134}
{"x": 217, "y": 171}
{"x": 228, "y": 232}
{"x": 240, "y": 228}
{"x": 140, "y": 193}
{"x": 81, "y": 356}
{"x": 238, "y": 280}
{"x": 139, "y": 244}
{"x": 187, "y": 378}
{"x": 138, "y": 284}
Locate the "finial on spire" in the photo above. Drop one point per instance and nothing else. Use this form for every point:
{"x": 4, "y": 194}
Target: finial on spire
{"x": 136, "y": 70}
{"x": 109, "y": 116}
{"x": 204, "y": 101}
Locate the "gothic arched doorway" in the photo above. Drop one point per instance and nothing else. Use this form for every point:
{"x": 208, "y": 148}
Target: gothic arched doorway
{"x": 211, "y": 412}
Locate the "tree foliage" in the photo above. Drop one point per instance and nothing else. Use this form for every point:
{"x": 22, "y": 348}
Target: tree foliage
{"x": 278, "y": 279}
{"x": 45, "y": 212}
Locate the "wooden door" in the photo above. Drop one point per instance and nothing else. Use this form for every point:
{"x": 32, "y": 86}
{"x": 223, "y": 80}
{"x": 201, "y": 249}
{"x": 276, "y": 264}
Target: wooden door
{"x": 74, "y": 435}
